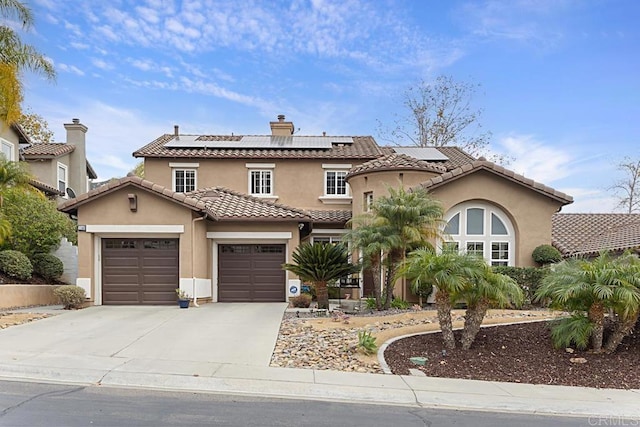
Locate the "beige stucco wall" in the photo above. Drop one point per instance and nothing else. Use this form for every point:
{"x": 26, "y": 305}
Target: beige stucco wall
{"x": 113, "y": 209}
{"x": 379, "y": 182}
{"x": 297, "y": 182}
{"x": 529, "y": 211}
{"x": 46, "y": 171}
{"x": 27, "y": 295}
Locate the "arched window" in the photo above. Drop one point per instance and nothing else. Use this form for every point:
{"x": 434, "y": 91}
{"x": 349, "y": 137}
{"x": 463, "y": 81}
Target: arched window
{"x": 482, "y": 229}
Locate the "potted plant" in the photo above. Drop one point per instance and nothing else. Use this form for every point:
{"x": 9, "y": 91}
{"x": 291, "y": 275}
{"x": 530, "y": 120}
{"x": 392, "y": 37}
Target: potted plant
{"x": 183, "y": 298}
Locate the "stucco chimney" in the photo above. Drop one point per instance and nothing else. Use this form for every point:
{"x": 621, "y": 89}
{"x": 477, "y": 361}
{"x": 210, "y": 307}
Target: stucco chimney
{"x": 77, "y": 167}
{"x": 281, "y": 128}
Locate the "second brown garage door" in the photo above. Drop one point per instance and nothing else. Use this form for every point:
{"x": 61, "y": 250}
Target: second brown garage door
{"x": 251, "y": 273}
{"x": 139, "y": 271}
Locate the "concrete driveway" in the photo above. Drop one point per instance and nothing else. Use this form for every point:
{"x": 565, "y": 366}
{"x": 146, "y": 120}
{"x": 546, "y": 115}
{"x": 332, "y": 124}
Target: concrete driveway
{"x": 229, "y": 333}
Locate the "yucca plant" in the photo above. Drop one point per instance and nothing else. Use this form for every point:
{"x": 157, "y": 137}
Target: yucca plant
{"x": 320, "y": 264}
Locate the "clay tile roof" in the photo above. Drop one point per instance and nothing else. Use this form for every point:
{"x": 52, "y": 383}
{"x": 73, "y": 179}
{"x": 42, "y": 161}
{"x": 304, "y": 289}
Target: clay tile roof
{"x": 395, "y": 161}
{"x": 331, "y": 216}
{"x": 363, "y": 147}
{"x": 500, "y": 171}
{"x": 53, "y": 149}
{"x": 456, "y": 157}
{"x": 72, "y": 204}
{"x": 222, "y": 203}
{"x": 588, "y": 234}
{"x": 45, "y": 188}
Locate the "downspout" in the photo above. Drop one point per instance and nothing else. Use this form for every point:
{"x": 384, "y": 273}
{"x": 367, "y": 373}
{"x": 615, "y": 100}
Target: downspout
{"x": 193, "y": 258}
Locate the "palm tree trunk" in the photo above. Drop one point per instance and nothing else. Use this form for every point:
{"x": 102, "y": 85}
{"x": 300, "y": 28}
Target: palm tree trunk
{"x": 596, "y": 316}
{"x": 472, "y": 320}
{"x": 623, "y": 328}
{"x": 443, "y": 304}
{"x": 377, "y": 286}
{"x": 322, "y": 295}
{"x": 390, "y": 279}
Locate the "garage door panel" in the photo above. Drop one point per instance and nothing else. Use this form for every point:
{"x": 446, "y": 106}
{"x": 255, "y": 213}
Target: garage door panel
{"x": 139, "y": 271}
{"x": 249, "y": 273}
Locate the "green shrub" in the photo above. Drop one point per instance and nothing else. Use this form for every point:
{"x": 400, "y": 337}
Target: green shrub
{"x": 36, "y": 223}
{"x": 528, "y": 278}
{"x": 48, "y": 266}
{"x": 371, "y": 303}
{"x": 546, "y": 254}
{"x": 400, "y": 304}
{"x": 424, "y": 290}
{"x": 15, "y": 264}
{"x": 367, "y": 342}
{"x": 301, "y": 301}
{"x": 334, "y": 292}
{"x": 71, "y": 296}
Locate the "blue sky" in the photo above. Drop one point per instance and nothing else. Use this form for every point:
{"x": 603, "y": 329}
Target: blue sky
{"x": 560, "y": 79}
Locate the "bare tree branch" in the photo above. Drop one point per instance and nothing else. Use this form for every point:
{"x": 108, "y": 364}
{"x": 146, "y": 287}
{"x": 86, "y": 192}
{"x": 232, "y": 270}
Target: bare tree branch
{"x": 627, "y": 189}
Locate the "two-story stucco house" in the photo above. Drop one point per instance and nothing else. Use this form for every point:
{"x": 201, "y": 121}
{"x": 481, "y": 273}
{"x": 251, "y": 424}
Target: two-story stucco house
{"x": 56, "y": 167}
{"x": 217, "y": 215}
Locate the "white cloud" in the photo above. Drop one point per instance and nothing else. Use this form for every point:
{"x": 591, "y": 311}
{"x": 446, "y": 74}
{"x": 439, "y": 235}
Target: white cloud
{"x": 79, "y": 45}
{"x": 535, "y": 159}
{"x": 589, "y": 200}
{"x": 70, "y": 69}
{"x": 102, "y": 64}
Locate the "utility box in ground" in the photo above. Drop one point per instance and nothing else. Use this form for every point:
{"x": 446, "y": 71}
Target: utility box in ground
{"x": 293, "y": 288}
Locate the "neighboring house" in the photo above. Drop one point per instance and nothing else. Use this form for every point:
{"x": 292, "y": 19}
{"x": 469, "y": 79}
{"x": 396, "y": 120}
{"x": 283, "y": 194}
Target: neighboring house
{"x": 217, "y": 215}
{"x": 61, "y": 169}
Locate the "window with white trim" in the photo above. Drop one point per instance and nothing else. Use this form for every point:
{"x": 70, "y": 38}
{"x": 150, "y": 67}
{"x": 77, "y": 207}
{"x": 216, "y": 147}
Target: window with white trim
{"x": 335, "y": 183}
{"x": 62, "y": 179}
{"x": 7, "y": 149}
{"x": 481, "y": 229}
{"x": 261, "y": 182}
{"x": 184, "y": 180}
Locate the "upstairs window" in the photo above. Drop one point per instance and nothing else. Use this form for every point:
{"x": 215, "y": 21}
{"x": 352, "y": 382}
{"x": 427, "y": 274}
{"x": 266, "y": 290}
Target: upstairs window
{"x": 184, "y": 180}
{"x": 261, "y": 182}
{"x": 335, "y": 184}
{"x": 62, "y": 179}
{"x": 185, "y": 176}
{"x": 368, "y": 201}
{"x": 7, "y": 149}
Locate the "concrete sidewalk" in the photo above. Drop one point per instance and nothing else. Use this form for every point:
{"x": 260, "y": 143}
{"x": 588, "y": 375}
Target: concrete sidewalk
{"x": 173, "y": 371}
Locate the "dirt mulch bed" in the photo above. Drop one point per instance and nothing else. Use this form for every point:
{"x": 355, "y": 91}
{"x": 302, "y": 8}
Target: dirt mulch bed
{"x": 522, "y": 354}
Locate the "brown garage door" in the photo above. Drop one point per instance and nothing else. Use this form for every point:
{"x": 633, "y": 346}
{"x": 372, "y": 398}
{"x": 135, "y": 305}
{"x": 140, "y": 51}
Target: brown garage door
{"x": 251, "y": 273}
{"x": 139, "y": 271}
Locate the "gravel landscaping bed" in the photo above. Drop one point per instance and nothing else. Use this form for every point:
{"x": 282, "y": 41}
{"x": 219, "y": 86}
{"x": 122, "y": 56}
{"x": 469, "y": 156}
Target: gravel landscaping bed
{"x": 519, "y": 353}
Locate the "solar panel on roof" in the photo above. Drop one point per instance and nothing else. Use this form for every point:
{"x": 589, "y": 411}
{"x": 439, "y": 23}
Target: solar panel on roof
{"x": 422, "y": 153}
{"x": 262, "y": 141}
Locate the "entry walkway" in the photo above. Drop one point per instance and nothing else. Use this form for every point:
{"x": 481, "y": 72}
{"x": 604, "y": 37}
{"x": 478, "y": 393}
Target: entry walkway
{"x": 225, "y": 348}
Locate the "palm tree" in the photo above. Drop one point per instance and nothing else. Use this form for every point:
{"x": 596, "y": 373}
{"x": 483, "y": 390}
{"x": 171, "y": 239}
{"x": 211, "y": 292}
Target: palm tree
{"x": 450, "y": 273}
{"x": 485, "y": 290}
{"x": 592, "y": 287}
{"x": 373, "y": 244}
{"x": 13, "y": 174}
{"x": 320, "y": 264}
{"x": 407, "y": 220}
{"x": 627, "y": 300}
{"x": 15, "y": 57}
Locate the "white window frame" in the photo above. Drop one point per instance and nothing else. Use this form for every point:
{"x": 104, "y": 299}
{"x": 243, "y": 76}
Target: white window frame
{"x": 368, "y": 201}
{"x": 63, "y": 167}
{"x": 174, "y": 179}
{"x": 11, "y": 148}
{"x": 326, "y": 182}
{"x": 487, "y": 238}
{"x": 262, "y": 174}
{"x": 262, "y": 168}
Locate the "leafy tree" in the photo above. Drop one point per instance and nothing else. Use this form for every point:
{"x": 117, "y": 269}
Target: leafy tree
{"x": 36, "y": 223}
{"x": 13, "y": 174}
{"x": 627, "y": 189}
{"x": 36, "y": 127}
{"x": 320, "y": 264}
{"x": 546, "y": 254}
{"x": 440, "y": 114}
{"x": 485, "y": 290}
{"x": 450, "y": 273}
{"x": 589, "y": 288}
{"x": 16, "y": 57}
{"x": 139, "y": 170}
{"x": 402, "y": 221}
